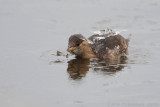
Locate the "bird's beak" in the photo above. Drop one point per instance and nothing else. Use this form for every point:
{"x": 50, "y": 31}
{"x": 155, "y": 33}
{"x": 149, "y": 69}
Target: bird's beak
{"x": 71, "y": 49}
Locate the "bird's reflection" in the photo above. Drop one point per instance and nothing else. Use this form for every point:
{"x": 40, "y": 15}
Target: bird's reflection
{"x": 78, "y": 68}
{"x": 108, "y": 67}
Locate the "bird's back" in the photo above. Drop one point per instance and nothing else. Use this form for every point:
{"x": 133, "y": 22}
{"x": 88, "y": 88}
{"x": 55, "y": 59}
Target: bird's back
{"x": 108, "y": 45}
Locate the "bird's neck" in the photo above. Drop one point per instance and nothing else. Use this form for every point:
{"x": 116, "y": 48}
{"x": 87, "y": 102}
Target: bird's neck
{"x": 86, "y": 50}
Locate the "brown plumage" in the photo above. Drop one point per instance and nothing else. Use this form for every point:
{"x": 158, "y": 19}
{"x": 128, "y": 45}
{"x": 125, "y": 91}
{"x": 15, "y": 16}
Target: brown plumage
{"x": 104, "y": 46}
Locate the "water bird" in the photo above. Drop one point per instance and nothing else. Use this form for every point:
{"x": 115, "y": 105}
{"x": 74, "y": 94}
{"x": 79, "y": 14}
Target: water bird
{"x": 103, "y": 44}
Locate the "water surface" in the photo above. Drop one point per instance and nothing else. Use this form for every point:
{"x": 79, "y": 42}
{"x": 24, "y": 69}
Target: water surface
{"x": 32, "y": 31}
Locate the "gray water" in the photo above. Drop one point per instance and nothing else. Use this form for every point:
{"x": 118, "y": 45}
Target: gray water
{"x": 31, "y": 75}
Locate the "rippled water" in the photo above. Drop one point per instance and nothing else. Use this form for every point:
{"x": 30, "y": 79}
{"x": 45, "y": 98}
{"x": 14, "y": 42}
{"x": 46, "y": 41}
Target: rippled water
{"x": 32, "y": 75}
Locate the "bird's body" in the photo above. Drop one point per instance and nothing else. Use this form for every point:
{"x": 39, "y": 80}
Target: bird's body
{"x": 103, "y": 45}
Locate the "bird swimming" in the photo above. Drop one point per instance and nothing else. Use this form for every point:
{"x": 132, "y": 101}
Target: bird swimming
{"x": 104, "y": 44}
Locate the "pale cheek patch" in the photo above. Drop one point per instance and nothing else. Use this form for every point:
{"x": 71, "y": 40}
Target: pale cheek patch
{"x": 76, "y": 51}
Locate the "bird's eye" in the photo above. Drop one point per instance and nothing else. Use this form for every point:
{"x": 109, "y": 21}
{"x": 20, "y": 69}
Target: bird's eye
{"x": 77, "y": 44}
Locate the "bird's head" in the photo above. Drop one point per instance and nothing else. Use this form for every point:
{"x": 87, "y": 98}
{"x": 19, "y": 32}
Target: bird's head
{"x": 74, "y": 44}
